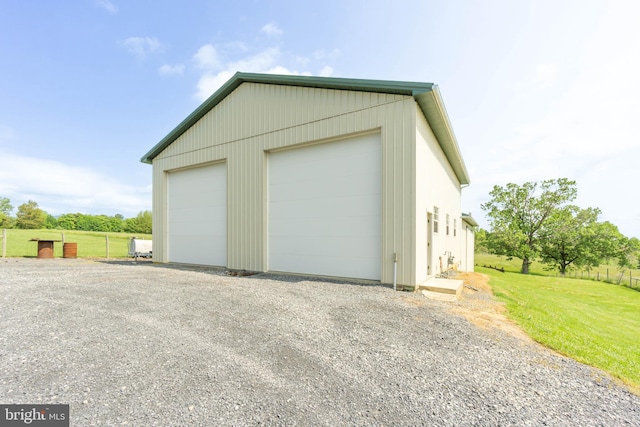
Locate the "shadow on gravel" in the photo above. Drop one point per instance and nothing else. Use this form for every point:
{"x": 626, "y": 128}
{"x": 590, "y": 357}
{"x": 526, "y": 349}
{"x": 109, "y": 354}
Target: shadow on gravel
{"x": 251, "y": 275}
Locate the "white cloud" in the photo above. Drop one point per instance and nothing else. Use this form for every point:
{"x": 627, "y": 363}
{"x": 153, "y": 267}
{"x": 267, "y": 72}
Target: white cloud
{"x": 141, "y": 47}
{"x": 216, "y": 71}
{"x": 279, "y": 69}
{"x": 210, "y": 82}
{"x": 257, "y": 63}
{"x": 326, "y": 71}
{"x": 171, "y": 70}
{"x": 108, "y": 6}
{"x": 207, "y": 57}
{"x": 262, "y": 62}
{"x": 271, "y": 29}
{"x": 61, "y": 188}
{"x": 546, "y": 75}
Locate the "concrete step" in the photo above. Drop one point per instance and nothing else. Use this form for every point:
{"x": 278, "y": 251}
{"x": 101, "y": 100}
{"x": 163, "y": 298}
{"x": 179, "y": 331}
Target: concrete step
{"x": 442, "y": 286}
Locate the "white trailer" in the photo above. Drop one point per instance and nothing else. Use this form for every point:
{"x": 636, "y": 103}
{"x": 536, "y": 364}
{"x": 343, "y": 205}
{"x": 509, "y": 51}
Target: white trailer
{"x": 140, "y": 248}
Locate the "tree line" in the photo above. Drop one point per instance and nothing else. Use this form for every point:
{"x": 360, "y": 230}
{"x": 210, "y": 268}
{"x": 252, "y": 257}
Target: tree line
{"x": 30, "y": 216}
{"x": 536, "y": 221}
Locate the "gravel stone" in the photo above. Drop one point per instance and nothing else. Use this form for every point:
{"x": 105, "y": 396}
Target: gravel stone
{"x": 143, "y": 344}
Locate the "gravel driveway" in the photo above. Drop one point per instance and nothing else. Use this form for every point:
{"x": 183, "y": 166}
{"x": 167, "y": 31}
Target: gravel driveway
{"x": 141, "y": 344}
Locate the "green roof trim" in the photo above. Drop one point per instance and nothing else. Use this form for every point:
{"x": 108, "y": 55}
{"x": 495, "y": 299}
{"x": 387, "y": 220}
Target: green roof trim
{"x": 466, "y": 217}
{"x": 427, "y": 96}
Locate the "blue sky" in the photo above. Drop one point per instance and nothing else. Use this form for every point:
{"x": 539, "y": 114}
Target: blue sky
{"x": 534, "y": 89}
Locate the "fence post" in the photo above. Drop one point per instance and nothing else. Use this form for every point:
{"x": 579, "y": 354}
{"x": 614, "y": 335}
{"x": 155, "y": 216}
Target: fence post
{"x": 62, "y": 239}
{"x": 598, "y": 276}
{"x": 630, "y": 279}
{"x": 106, "y": 238}
{"x": 607, "y": 274}
{"x": 4, "y": 242}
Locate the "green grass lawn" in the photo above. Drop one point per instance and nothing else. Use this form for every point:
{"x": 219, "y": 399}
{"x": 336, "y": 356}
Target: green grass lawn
{"x": 593, "y": 322}
{"x": 90, "y": 244}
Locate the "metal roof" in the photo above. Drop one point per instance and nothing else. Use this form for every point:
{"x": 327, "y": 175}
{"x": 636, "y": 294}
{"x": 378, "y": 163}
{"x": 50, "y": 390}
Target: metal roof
{"x": 426, "y": 95}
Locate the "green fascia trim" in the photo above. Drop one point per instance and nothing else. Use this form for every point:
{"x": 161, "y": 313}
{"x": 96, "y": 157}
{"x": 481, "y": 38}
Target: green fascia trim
{"x": 426, "y": 94}
{"x": 469, "y": 220}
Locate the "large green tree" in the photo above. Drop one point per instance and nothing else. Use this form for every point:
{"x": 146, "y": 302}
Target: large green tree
{"x": 30, "y": 216}
{"x": 518, "y": 214}
{"x": 573, "y": 236}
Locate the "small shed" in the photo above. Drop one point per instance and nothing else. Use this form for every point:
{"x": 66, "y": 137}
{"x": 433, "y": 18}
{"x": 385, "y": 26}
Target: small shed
{"x": 312, "y": 175}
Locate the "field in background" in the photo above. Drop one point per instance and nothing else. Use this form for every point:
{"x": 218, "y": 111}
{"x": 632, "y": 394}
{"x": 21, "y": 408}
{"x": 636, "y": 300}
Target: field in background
{"x": 90, "y": 244}
{"x": 609, "y": 273}
{"x": 596, "y": 323}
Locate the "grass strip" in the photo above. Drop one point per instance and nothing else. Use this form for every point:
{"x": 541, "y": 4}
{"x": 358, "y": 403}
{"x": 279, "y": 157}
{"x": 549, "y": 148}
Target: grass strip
{"x": 592, "y": 322}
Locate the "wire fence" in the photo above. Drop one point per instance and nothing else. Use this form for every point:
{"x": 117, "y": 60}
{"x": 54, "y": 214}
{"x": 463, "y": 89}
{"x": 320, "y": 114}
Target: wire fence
{"x": 609, "y": 272}
{"x": 30, "y": 243}
{"x": 621, "y": 277}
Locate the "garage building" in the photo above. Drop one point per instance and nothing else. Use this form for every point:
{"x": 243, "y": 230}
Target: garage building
{"x": 313, "y": 175}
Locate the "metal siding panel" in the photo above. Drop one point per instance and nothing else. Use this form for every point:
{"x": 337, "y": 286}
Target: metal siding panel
{"x": 443, "y": 191}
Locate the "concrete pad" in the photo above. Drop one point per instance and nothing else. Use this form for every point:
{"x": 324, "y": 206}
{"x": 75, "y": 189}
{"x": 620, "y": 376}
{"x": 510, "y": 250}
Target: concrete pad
{"x": 444, "y": 286}
{"x": 439, "y": 296}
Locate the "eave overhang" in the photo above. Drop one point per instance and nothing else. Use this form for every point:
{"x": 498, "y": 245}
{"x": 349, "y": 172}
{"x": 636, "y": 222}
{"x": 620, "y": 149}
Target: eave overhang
{"x": 469, "y": 220}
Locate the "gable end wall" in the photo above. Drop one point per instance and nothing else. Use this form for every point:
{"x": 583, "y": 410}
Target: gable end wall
{"x": 258, "y": 118}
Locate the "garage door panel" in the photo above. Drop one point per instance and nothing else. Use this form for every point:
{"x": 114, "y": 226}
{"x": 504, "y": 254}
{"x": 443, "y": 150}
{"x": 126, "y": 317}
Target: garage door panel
{"x": 335, "y": 266}
{"x": 350, "y": 206}
{"x": 350, "y": 185}
{"x": 197, "y": 223}
{"x": 325, "y": 208}
{"x": 325, "y": 247}
{"x": 342, "y": 167}
{"x": 339, "y": 227}
{"x": 201, "y": 249}
{"x": 202, "y": 200}
{"x": 205, "y": 217}
{"x": 197, "y": 228}
{"x": 359, "y": 150}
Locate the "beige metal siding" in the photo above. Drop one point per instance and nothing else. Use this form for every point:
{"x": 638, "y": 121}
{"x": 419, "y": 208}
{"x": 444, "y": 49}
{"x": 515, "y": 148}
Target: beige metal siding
{"x": 467, "y": 246}
{"x": 436, "y": 185}
{"x": 257, "y": 118}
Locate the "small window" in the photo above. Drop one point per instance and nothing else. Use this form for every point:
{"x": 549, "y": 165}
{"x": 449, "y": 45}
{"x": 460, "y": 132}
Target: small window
{"x": 447, "y": 224}
{"x": 435, "y": 219}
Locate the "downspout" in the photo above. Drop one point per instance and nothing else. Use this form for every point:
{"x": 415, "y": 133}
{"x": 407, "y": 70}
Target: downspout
{"x": 395, "y": 269}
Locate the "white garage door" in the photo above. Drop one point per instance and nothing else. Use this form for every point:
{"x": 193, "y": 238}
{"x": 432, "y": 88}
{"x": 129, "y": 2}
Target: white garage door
{"x": 325, "y": 208}
{"x": 197, "y": 215}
